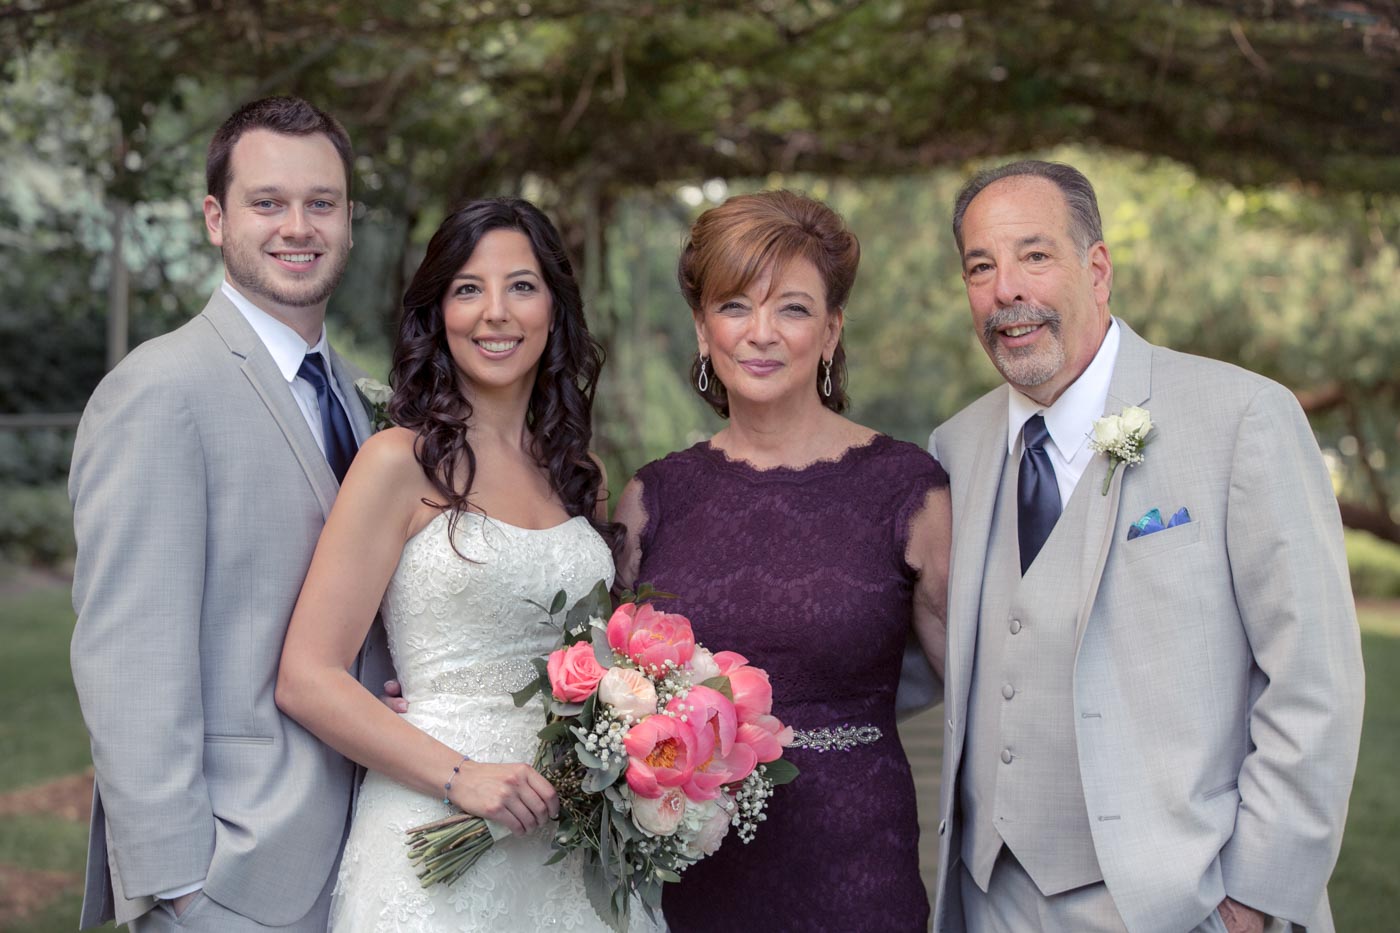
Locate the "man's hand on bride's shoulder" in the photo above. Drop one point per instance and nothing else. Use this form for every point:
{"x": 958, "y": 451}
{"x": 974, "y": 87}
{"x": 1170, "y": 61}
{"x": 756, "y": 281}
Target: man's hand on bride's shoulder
{"x": 392, "y": 697}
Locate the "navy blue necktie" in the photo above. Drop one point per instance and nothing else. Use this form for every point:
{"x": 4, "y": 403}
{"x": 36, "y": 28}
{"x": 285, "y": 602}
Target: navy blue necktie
{"x": 1037, "y": 492}
{"x": 335, "y": 427}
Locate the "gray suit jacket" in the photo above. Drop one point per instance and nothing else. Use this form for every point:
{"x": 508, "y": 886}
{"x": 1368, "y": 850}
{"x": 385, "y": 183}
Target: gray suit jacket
{"x": 198, "y": 497}
{"x": 1218, "y": 684}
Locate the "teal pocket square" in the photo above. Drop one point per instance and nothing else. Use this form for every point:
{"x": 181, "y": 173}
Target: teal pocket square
{"x": 1152, "y": 522}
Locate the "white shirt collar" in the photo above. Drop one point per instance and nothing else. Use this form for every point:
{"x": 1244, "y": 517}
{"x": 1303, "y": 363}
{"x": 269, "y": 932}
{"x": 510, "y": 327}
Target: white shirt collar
{"x": 285, "y": 345}
{"x": 1070, "y": 419}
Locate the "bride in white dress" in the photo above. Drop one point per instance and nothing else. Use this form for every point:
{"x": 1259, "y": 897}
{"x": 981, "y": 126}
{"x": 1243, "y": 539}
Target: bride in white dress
{"x": 484, "y": 497}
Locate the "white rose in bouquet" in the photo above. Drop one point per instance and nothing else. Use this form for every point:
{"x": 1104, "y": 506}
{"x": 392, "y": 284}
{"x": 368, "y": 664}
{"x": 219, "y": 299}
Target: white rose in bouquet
{"x": 627, "y": 690}
{"x": 660, "y": 816}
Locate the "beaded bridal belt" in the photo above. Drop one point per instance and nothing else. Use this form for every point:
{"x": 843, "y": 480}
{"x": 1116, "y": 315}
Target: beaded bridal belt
{"x": 493, "y": 678}
{"x": 498, "y": 678}
{"x": 839, "y": 739}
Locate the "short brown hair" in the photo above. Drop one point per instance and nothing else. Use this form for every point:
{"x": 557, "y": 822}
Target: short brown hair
{"x": 290, "y": 116}
{"x": 731, "y": 245}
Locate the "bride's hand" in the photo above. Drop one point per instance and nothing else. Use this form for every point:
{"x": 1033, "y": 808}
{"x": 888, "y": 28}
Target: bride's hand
{"x": 514, "y": 795}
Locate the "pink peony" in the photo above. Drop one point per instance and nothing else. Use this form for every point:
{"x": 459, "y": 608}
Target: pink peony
{"x": 660, "y": 816}
{"x": 574, "y": 673}
{"x": 662, "y": 752}
{"x": 712, "y": 716}
{"x": 765, "y": 736}
{"x": 627, "y": 690}
{"x": 729, "y": 660}
{"x": 650, "y": 638}
{"x": 753, "y": 694}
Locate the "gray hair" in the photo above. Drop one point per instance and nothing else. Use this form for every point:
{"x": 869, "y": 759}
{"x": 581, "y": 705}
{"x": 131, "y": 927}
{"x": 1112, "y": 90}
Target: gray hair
{"x": 1085, "y": 227}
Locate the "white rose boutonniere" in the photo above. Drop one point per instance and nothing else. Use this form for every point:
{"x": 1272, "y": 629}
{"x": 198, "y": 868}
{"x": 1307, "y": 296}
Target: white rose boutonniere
{"x": 375, "y": 395}
{"x": 1121, "y": 437}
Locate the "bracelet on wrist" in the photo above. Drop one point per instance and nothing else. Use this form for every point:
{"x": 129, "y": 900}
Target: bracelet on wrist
{"x": 447, "y": 788}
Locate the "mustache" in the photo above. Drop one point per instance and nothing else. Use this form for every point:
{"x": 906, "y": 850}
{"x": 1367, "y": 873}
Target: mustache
{"x": 1020, "y": 313}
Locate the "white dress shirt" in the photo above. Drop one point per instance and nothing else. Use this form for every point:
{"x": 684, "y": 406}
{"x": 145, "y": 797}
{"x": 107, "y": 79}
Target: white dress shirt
{"x": 1070, "y": 420}
{"x": 288, "y": 350}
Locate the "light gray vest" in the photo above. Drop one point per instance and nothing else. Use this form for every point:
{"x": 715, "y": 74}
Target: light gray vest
{"x": 1019, "y": 781}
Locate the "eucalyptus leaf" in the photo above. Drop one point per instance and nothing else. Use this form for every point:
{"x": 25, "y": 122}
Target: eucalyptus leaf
{"x": 527, "y": 692}
{"x": 557, "y": 604}
{"x": 599, "y": 780}
{"x": 602, "y": 651}
{"x": 588, "y": 713}
{"x": 595, "y": 885}
{"x": 558, "y": 856}
{"x": 665, "y": 874}
{"x": 721, "y": 684}
{"x": 589, "y": 759}
{"x": 650, "y": 891}
{"x": 605, "y": 847}
{"x": 560, "y": 708}
{"x": 779, "y": 772}
{"x": 555, "y": 730}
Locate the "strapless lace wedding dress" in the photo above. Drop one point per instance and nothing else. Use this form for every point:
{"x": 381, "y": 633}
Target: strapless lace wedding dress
{"x": 461, "y": 634}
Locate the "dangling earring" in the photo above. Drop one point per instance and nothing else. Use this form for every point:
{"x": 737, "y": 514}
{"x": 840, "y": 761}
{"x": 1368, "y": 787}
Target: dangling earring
{"x": 702, "y": 381}
{"x": 826, "y": 383}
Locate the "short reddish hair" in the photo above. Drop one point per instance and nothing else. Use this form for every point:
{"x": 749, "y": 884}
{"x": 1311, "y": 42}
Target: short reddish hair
{"x": 731, "y": 245}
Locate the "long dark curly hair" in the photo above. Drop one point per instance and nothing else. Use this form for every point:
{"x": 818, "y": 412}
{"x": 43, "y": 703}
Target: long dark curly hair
{"x": 428, "y": 399}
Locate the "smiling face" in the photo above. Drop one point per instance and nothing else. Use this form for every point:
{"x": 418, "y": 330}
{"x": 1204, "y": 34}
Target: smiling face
{"x": 284, "y": 224}
{"x": 497, "y": 314}
{"x": 1040, "y": 308}
{"x": 766, "y": 343}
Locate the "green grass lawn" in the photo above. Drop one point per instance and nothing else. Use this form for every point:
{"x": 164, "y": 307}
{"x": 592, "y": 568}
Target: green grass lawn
{"x": 42, "y": 737}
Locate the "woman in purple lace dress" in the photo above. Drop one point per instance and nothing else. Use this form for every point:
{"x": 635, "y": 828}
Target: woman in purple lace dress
{"x": 811, "y": 545}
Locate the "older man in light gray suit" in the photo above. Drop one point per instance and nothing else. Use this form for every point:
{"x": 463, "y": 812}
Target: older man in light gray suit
{"x": 204, "y": 468}
{"x": 1154, "y": 682}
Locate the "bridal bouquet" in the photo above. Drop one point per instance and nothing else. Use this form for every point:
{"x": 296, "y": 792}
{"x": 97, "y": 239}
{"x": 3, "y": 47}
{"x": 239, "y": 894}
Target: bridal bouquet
{"x": 656, "y": 746}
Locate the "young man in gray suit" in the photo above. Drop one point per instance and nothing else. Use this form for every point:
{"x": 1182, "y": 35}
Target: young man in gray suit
{"x": 204, "y": 468}
{"x": 1153, "y": 683}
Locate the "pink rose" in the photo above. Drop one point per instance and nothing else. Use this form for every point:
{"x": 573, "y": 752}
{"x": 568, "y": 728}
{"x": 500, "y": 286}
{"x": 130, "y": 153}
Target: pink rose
{"x": 628, "y": 690}
{"x": 660, "y": 816}
{"x": 651, "y": 638}
{"x": 574, "y": 673}
{"x": 662, "y": 752}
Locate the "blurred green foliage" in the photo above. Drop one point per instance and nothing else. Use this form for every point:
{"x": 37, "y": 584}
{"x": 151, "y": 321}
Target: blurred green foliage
{"x": 1244, "y": 155}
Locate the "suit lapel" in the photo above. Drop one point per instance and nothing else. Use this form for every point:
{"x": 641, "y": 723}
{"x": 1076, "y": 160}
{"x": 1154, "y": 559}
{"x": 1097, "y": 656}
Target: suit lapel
{"x": 1131, "y": 385}
{"x": 971, "y": 536}
{"x": 267, "y": 380}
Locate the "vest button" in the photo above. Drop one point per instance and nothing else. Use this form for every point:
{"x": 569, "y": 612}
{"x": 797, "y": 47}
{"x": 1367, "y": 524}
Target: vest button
{"x": 1015, "y": 626}
{"x": 1006, "y": 756}
{"x": 1008, "y": 691}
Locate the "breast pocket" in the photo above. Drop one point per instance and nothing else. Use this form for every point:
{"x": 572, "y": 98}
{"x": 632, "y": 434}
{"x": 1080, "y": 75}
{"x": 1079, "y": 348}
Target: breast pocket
{"x": 1160, "y": 542}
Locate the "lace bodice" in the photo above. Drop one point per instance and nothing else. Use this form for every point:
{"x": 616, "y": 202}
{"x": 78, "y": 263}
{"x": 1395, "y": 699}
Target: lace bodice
{"x": 462, "y": 629}
{"x": 804, "y": 572}
{"x": 461, "y": 622}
